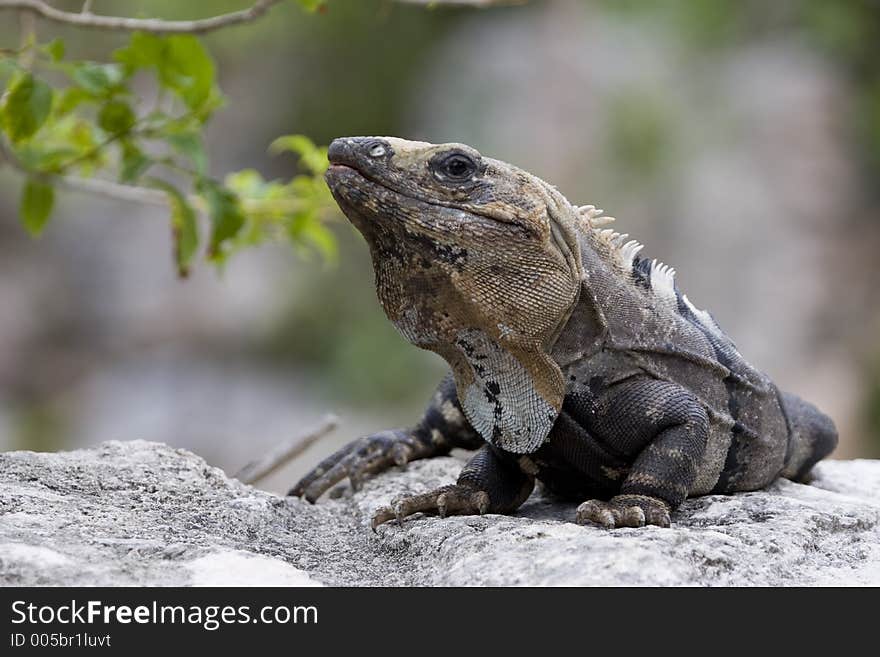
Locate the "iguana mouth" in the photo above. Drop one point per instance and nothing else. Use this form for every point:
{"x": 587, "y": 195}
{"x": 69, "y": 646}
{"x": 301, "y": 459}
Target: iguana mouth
{"x": 338, "y": 170}
{"x": 335, "y": 168}
{"x": 340, "y": 177}
{"x": 348, "y": 169}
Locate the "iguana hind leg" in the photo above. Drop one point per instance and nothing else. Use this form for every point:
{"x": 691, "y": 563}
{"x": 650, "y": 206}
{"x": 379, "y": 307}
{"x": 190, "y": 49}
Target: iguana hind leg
{"x": 667, "y": 427}
{"x": 489, "y": 483}
{"x": 442, "y": 427}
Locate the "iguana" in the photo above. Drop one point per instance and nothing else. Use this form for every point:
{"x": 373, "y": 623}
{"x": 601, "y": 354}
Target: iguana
{"x": 574, "y": 360}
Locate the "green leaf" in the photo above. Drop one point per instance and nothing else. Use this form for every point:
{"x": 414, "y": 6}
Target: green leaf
{"x": 45, "y": 159}
{"x": 182, "y": 65}
{"x": 81, "y": 135}
{"x": 37, "y": 199}
{"x": 189, "y": 144}
{"x": 189, "y": 69}
{"x": 55, "y": 49}
{"x": 247, "y": 182}
{"x": 311, "y": 5}
{"x": 319, "y": 236}
{"x": 98, "y": 79}
{"x": 143, "y": 51}
{"x": 184, "y": 226}
{"x": 27, "y": 106}
{"x": 116, "y": 117}
{"x": 213, "y": 102}
{"x": 227, "y": 218}
{"x": 134, "y": 163}
{"x": 186, "y": 68}
{"x": 67, "y": 141}
{"x": 69, "y": 99}
{"x": 312, "y": 158}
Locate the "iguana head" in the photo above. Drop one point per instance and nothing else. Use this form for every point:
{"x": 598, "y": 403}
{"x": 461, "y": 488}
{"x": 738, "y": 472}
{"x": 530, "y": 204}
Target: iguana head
{"x": 474, "y": 259}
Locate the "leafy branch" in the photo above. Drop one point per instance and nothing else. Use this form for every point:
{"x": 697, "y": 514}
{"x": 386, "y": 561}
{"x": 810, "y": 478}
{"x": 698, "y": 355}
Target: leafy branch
{"x": 93, "y": 133}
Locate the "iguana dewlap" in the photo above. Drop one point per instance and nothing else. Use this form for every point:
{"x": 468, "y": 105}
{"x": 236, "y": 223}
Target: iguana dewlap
{"x": 574, "y": 360}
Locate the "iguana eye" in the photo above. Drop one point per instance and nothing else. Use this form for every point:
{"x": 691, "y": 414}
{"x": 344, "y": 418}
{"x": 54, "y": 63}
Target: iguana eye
{"x": 457, "y": 166}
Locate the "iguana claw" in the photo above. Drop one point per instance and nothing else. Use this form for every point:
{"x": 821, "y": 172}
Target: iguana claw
{"x": 448, "y": 500}
{"x": 625, "y": 511}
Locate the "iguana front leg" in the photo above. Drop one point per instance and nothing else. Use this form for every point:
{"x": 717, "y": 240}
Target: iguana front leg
{"x": 442, "y": 427}
{"x": 668, "y": 428}
{"x": 489, "y": 483}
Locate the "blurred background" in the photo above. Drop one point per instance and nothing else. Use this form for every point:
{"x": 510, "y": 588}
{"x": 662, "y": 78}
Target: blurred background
{"x": 740, "y": 141}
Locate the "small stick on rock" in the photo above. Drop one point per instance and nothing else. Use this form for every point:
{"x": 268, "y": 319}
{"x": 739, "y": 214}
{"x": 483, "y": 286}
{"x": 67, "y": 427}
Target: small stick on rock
{"x": 285, "y": 452}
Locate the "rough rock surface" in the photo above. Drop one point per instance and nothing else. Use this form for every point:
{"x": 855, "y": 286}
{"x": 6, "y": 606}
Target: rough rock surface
{"x": 139, "y": 513}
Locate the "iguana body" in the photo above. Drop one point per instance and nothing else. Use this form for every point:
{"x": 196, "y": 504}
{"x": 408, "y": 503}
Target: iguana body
{"x": 574, "y": 360}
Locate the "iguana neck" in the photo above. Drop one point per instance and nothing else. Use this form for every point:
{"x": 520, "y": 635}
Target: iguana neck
{"x": 586, "y": 325}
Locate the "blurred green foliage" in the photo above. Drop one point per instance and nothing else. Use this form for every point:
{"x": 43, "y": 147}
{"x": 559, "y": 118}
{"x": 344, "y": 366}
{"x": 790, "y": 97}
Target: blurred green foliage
{"x": 847, "y": 33}
{"x": 640, "y": 133}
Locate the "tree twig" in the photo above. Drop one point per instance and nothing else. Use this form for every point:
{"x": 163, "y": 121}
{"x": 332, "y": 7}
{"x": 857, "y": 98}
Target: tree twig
{"x": 285, "y": 452}
{"x": 135, "y": 193}
{"x": 112, "y": 190}
{"x": 96, "y": 186}
{"x": 154, "y": 25}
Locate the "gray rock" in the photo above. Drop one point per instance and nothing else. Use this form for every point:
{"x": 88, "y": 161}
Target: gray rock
{"x": 139, "y": 513}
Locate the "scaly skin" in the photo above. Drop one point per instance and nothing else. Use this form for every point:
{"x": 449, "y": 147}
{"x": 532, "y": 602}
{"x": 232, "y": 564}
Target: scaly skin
{"x": 573, "y": 360}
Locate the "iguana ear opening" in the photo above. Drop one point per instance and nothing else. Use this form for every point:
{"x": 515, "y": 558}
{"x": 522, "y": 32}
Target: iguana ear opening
{"x": 510, "y": 395}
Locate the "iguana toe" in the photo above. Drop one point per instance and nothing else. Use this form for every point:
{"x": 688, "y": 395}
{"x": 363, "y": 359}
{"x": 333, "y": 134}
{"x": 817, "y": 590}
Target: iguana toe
{"x": 625, "y": 511}
{"x": 445, "y": 501}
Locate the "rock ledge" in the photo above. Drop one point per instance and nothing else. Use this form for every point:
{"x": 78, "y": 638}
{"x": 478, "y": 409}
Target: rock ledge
{"x": 139, "y": 513}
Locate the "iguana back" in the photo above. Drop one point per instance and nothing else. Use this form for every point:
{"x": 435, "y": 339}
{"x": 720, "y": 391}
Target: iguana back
{"x": 651, "y": 326}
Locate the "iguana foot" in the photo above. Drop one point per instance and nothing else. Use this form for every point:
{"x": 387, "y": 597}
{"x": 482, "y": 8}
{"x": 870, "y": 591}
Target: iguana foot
{"x": 362, "y": 457}
{"x": 448, "y": 500}
{"x": 625, "y": 511}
